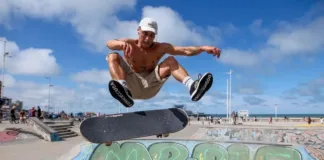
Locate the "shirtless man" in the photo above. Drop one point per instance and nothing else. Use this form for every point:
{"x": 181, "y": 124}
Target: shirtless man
{"x": 139, "y": 75}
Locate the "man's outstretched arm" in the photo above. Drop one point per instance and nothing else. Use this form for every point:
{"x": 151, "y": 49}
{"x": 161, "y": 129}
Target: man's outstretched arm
{"x": 189, "y": 50}
{"x": 117, "y": 44}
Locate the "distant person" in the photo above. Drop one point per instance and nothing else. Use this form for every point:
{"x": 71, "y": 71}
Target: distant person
{"x": 12, "y": 114}
{"x": 33, "y": 112}
{"x": 39, "y": 112}
{"x": 1, "y": 115}
{"x": 322, "y": 120}
{"x": 22, "y": 116}
{"x": 270, "y": 120}
{"x": 309, "y": 120}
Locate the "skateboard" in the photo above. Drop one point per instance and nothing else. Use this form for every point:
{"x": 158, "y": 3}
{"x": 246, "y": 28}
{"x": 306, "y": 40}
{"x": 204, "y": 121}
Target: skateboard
{"x": 131, "y": 125}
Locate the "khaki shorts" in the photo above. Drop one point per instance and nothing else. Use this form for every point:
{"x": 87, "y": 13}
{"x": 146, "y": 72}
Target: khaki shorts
{"x": 144, "y": 85}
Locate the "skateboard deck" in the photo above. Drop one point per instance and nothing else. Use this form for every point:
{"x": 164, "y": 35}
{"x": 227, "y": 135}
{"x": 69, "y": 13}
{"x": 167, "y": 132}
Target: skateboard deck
{"x": 133, "y": 125}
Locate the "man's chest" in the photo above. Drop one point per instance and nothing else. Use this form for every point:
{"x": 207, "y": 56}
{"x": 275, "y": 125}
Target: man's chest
{"x": 147, "y": 58}
{"x": 144, "y": 61}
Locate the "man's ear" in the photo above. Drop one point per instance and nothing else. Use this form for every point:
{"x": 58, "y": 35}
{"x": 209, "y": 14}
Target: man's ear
{"x": 138, "y": 30}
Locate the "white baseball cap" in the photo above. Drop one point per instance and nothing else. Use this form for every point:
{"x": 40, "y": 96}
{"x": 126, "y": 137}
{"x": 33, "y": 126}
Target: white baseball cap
{"x": 149, "y": 24}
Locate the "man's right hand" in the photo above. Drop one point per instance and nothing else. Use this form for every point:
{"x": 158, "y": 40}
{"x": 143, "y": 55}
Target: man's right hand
{"x": 127, "y": 48}
{"x": 121, "y": 44}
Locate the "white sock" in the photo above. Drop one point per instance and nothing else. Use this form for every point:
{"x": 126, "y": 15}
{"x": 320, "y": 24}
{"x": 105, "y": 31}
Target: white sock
{"x": 122, "y": 82}
{"x": 187, "y": 82}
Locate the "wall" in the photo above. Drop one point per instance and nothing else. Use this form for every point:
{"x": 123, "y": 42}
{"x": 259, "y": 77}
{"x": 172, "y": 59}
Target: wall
{"x": 186, "y": 150}
{"x": 312, "y": 139}
{"x": 304, "y": 137}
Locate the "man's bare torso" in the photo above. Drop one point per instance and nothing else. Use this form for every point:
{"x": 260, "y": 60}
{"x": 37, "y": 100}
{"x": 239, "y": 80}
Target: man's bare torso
{"x": 144, "y": 60}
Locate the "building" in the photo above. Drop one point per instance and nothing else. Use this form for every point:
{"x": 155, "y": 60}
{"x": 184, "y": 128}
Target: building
{"x": 190, "y": 113}
{"x": 243, "y": 113}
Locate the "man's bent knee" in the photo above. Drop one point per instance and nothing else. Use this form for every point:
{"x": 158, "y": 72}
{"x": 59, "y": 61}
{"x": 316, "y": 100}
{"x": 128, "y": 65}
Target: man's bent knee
{"x": 166, "y": 65}
{"x": 113, "y": 57}
{"x": 170, "y": 60}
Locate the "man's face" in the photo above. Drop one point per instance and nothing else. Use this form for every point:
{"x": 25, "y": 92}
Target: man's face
{"x": 146, "y": 38}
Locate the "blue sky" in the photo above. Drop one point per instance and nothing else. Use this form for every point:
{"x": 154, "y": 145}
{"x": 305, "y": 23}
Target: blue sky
{"x": 275, "y": 49}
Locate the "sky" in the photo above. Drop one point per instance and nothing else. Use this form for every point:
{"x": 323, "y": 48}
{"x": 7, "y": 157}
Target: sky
{"x": 274, "y": 48}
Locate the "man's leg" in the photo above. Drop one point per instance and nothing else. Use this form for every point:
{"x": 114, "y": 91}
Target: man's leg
{"x": 117, "y": 86}
{"x": 196, "y": 88}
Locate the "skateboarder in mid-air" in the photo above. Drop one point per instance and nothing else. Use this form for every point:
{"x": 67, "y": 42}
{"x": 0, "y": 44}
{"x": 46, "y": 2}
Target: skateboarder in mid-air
{"x": 139, "y": 75}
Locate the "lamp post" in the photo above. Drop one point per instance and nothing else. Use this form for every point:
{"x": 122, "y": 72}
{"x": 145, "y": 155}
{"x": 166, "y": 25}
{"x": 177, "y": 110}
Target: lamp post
{"x": 230, "y": 92}
{"x": 3, "y": 65}
{"x": 227, "y": 104}
{"x": 49, "y": 91}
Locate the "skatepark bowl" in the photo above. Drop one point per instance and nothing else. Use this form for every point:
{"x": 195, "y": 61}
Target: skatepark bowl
{"x": 212, "y": 144}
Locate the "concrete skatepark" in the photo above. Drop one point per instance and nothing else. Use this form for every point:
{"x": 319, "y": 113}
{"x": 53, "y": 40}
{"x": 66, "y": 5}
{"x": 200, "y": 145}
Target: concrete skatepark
{"x": 251, "y": 141}
{"x": 213, "y": 143}
{"x": 186, "y": 149}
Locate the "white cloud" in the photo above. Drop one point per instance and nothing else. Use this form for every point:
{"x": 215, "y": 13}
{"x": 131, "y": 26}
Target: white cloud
{"x": 92, "y": 76}
{"x": 288, "y": 39}
{"x": 296, "y": 38}
{"x": 257, "y": 29}
{"x": 171, "y": 24}
{"x": 98, "y": 99}
{"x": 239, "y": 58}
{"x": 9, "y": 81}
{"x": 30, "y": 61}
{"x": 97, "y": 22}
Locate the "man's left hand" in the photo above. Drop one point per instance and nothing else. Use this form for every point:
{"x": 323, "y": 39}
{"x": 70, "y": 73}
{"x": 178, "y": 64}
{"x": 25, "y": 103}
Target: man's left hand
{"x": 212, "y": 50}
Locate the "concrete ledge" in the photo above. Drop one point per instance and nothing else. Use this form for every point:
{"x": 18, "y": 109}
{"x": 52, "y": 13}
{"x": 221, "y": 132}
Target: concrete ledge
{"x": 264, "y": 127}
{"x": 42, "y": 129}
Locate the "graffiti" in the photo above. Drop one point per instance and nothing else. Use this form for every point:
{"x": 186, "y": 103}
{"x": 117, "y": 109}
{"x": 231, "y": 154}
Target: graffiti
{"x": 210, "y": 151}
{"x": 312, "y": 138}
{"x": 7, "y": 136}
{"x": 11, "y": 134}
{"x": 186, "y": 150}
{"x": 273, "y": 152}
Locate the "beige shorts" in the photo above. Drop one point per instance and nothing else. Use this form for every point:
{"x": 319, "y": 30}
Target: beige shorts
{"x": 144, "y": 85}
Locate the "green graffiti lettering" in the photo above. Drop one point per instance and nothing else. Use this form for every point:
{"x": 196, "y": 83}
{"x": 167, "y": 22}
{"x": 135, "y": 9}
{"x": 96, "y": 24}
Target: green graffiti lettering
{"x": 277, "y": 152}
{"x": 210, "y": 151}
{"x": 127, "y": 151}
{"x": 238, "y": 152}
{"x": 168, "y": 151}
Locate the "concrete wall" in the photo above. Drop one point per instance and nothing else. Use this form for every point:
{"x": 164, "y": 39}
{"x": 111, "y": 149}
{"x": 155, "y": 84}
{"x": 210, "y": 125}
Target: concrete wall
{"x": 266, "y": 119}
{"x": 185, "y": 150}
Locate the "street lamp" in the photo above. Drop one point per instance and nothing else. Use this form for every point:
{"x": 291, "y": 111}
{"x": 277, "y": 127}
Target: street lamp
{"x": 227, "y": 102}
{"x": 3, "y": 65}
{"x": 49, "y": 91}
{"x": 230, "y": 92}
{"x": 3, "y": 69}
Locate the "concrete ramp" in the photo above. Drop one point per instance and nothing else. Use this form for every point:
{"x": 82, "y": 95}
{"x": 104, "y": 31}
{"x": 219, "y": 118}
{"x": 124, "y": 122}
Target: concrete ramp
{"x": 167, "y": 149}
{"x": 43, "y": 130}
